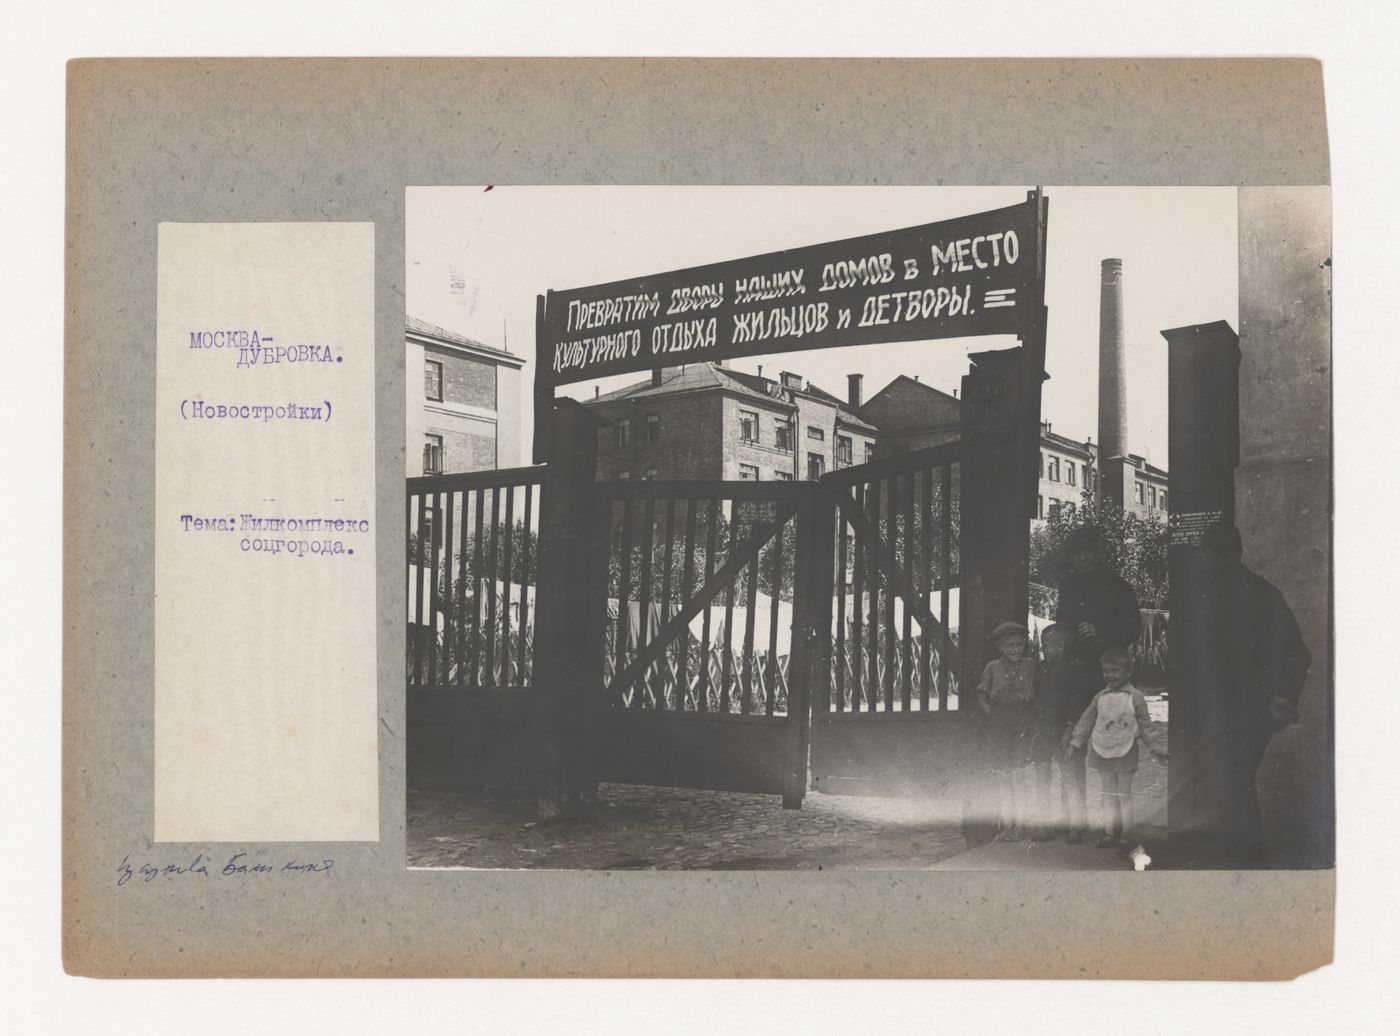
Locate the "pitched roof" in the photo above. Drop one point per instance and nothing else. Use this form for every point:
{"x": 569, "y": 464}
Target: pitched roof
{"x": 1063, "y": 442}
{"x": 414, "y": 326}
{"x": 706, "y": 375}
{"x": 760, "y": 385}
{"x": 689, "y": 378}
{"x": 905, "y": 379}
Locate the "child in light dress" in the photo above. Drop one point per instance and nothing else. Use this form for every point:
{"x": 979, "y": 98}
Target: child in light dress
{"x": 1113, "y": 724}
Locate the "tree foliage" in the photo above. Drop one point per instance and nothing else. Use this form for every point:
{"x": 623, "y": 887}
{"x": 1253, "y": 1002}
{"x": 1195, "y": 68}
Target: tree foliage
{"x": 1133, "y": 546}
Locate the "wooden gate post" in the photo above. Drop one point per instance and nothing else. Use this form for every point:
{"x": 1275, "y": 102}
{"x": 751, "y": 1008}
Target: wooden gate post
{"x": 810, "y": 665}
{"x": 994, "y": 545}
{"x": 568, "y": 640}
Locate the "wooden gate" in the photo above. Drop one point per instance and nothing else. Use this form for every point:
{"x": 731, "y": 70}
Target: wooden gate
{"x": 889, "y": 713}
{"x": 706, "y": 590}
{"x": 475, "y": 707}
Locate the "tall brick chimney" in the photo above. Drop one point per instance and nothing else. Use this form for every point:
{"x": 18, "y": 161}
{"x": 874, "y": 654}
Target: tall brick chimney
{"x": 1113, "y": 381}
{"x": 853, "y": 388}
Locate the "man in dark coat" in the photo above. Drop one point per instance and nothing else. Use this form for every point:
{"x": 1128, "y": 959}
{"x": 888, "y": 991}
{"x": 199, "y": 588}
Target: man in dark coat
{"x": 1095, "y": 602}
{"x": 1258, "y": 663}
{"x": 1100, "y": 610}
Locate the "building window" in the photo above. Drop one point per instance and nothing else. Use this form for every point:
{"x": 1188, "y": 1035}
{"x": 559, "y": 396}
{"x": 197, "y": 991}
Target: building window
{"x": 1042, "y": 465}
{"x": 748, "y": 472}
{"x": 748, "y": 426}
{"x": 1054, "y": 471}
{"x": 624, "y": 432}
{"x": 1151, "y": 496}
{"x": 782, "y": 434}
{"x": 816, "y": 466}
{"x": 783, "y": 476}
{"x": 1054, "y": 509}
{"x": 649, "y": 475}
{"x": 432, "y": 379}
{"x": 844, "y": 455}
{"x": 1068, "y": 505}
{"x": 1088, "y": 477}
{"x": 430, "y": 532}
{"x": 1069, "y": 472}
{"x": 869, "y": 452}
{"x": 1137, "y": 491}
{"x": 813, "y": 432}
{"x": 1040, "y": 507}
{"x": 1162, "y": 499}
{"x": 653, "y": 427}
{"x": 432, "y": 455}
{"x": 617, "y": 537}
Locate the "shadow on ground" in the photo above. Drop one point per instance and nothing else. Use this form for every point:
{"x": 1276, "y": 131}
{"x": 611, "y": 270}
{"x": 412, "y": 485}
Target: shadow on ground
{"x": 633, "y": 827}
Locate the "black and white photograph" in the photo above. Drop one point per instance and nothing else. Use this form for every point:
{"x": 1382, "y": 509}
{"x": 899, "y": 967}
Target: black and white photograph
{"x": 868, "y": 528}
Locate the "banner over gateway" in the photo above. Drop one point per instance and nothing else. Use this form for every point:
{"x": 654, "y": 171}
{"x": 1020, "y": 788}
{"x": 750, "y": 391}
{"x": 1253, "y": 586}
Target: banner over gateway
{"x": 973, "y": 275}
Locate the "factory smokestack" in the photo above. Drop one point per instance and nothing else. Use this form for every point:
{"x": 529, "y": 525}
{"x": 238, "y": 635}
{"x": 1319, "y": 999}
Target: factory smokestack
{"x": 1113, "y": 381}
{"x": 853, "y": 389}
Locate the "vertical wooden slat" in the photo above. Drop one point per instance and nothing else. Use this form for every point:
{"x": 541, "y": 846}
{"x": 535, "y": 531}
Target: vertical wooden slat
{"x": 839, "y": 686}
{"x": 448, "y": 638}
{"x": 489, "y": 676}
{"x": 872, "y": 688}
{"x": 711, "y": 534}
{"x": 508, "y": 531}
{"x": 841, "y": 546}
{"x": 859, "y": 556}
{"x": 624, "y": 590}
{"x": 687, "y": 590}
{"x": 752, "y": 569}
{"x": 417, "y": 557}
{"x": 667, "y": 558}
{"x": 770, "y": 683}
{"x": 945, "y": 518}
{"x": 526, "y": 571}
{"x": 460, "y": 640}
{"x": 891, "y": 534}
{"x": 727, "y": 673}
{"x": 907, "y": 648}
{"x": 434, "y": 597}
{"x": 926, "y": 567}
{"x": 644, "y": 602}
{"x": 477, "y": 547}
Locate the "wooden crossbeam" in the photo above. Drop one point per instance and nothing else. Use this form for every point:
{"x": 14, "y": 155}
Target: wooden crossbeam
{"x": 759, "y": 535}
{"x": 894, "y": 572}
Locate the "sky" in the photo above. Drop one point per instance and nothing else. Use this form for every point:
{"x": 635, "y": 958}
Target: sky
{"x": 477, "y": 258}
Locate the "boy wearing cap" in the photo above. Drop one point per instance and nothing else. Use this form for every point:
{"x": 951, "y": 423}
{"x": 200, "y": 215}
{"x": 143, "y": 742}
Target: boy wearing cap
{"x": 1004, "y": 694}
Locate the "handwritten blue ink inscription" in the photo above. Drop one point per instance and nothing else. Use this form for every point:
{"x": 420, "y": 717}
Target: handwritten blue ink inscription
{"x": 238, "y": 865}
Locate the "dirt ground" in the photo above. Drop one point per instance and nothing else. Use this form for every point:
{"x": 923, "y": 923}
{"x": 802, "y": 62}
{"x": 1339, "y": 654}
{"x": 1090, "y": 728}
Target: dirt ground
{"x": 631, "y": 827}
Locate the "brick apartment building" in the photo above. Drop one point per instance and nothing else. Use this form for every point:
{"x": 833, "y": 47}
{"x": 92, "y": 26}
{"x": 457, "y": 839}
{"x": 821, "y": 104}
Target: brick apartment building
{"x": 706, "y": 422}
{"x": 463, "y": 402}
{"x": 911, "y": 416}
{"x": 1069, "y": 467}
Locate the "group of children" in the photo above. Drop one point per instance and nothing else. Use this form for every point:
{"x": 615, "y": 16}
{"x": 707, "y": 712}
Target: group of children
{"x": 1036, "y": 713}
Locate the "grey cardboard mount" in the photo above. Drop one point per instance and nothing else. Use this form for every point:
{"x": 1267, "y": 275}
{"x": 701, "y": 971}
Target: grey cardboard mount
{"x": 339, "y": 139}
